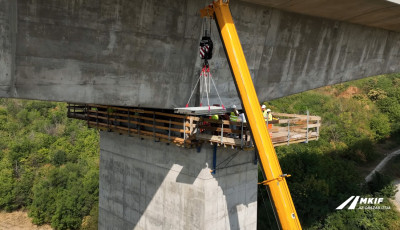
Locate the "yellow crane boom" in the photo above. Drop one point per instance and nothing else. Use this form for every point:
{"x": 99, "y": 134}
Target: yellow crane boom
{"x": 274, "y": 178}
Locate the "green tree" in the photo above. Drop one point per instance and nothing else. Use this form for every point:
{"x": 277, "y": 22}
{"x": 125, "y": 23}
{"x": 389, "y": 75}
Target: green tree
{"x": 380, "y": 125}
{"x": 6, "y": 184}
{"x": 48, "y": 163}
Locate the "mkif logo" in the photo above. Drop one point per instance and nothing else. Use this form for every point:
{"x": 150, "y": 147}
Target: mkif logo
{"x": 364, "y": 203}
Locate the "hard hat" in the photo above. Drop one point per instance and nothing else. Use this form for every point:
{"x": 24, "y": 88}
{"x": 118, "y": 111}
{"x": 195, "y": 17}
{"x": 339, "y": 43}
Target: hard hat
{"x": 233, "y": 106}
{"x": 268, "y": 110}
{"x": 263, "y": 106}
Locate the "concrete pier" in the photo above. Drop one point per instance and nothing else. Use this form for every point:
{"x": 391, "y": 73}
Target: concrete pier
{"x": 8, "y": 11}
{"x": 151, "y": 185}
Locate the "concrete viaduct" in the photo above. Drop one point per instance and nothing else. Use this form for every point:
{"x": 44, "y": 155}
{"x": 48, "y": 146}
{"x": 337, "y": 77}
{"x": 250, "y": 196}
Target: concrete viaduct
{"x": 144, "y": 53}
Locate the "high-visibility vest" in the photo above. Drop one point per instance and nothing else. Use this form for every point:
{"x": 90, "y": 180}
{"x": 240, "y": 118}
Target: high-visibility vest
{"x": 267, "y": 116}
{"x": 233, "y": 117}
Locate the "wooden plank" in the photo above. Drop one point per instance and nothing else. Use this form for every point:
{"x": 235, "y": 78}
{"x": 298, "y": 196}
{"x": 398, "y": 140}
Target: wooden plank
{"x": 274, "y": 129}
{"x": 309, "y": 126}
{"x": 237, "y": 142}
{"x": 303, "y": 117}
{"x": 219, "y": 129}
{"x": 142, "y": 132}
{"x": 217, "y": 139}
{"x": 141, "y": 123}
{"x": 140, "y": 117}
{"x": 190, "y": 126}
{"x": 279, "y": 139}
{"x": 296, "y": 141}
{"x": 76, "y": 106}
{"x": 285, "y": 129}
{"x": 226, "y": 122}
{"x": 291, "y": 120}
{"x": 299, "y": 130}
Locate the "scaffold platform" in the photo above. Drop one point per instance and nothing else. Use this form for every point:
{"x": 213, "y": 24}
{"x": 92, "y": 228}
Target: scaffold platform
{"x": 191, "y": 130}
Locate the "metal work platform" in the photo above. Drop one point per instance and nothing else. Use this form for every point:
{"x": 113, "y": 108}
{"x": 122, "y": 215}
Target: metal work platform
{"x": 192, "y": 131}
{"x": 204, "y": 110}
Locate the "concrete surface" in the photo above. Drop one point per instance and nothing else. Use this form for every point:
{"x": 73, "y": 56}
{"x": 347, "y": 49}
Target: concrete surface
{"x": 7, "y": 46}
{"x": 151, "y": 185}
{"x": 376, "y": 13}
{"x": 145, "y": 53}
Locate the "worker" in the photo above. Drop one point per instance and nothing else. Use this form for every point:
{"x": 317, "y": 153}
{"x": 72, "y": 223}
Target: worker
{"x": 233, "y": 117}
{"x": 266, "y": 113}
{"x": 269, "y": 115}
{"x": 234, "y": 114}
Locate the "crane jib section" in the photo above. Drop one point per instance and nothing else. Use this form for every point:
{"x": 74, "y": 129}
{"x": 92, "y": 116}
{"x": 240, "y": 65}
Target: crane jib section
{"x": 275, "y": 180}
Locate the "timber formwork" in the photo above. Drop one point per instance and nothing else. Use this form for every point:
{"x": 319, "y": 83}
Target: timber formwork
{"x": 192, "y": 131}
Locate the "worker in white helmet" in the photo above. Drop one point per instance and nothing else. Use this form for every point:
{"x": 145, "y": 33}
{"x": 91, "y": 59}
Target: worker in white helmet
{"x": 266, "y": 113}
{"x": 234, "y": 114}
{"x": 269, "y": 115}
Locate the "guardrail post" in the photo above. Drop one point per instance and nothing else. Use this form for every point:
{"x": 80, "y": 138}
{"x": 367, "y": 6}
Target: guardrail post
{"x": 288, "y": 135}
{"x": 169, "y": 130}
{"x": 308, "y": 118}
{"x": 222, "y": 132}
{"x": 241, "y": 137}
{"x": 214, "y": 158}
{"x": 129, "y": 122}
{"x": 184, "y": 133}
{"x": 138, "y": 124}
{"x": 108, "y": 119}
{"x": 154, "y": 126}
{"x": 87, "y": 114}
{"x": 97, "y": 117}
{"x": 115, "y": 121}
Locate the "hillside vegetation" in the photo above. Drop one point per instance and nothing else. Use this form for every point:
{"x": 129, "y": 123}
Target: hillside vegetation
{"x": 356, "y": 117}
{"x": 49, "y": 164}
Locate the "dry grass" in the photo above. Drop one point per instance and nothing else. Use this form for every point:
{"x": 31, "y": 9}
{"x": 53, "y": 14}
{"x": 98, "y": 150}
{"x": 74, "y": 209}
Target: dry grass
{"x": 18, "y": 220}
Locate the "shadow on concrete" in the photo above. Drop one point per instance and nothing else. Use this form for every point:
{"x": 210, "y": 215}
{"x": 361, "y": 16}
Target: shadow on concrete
{"x": 237, "y": 180}
{"x": 185, "y": 179}
{"x": 148, "y": 185}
